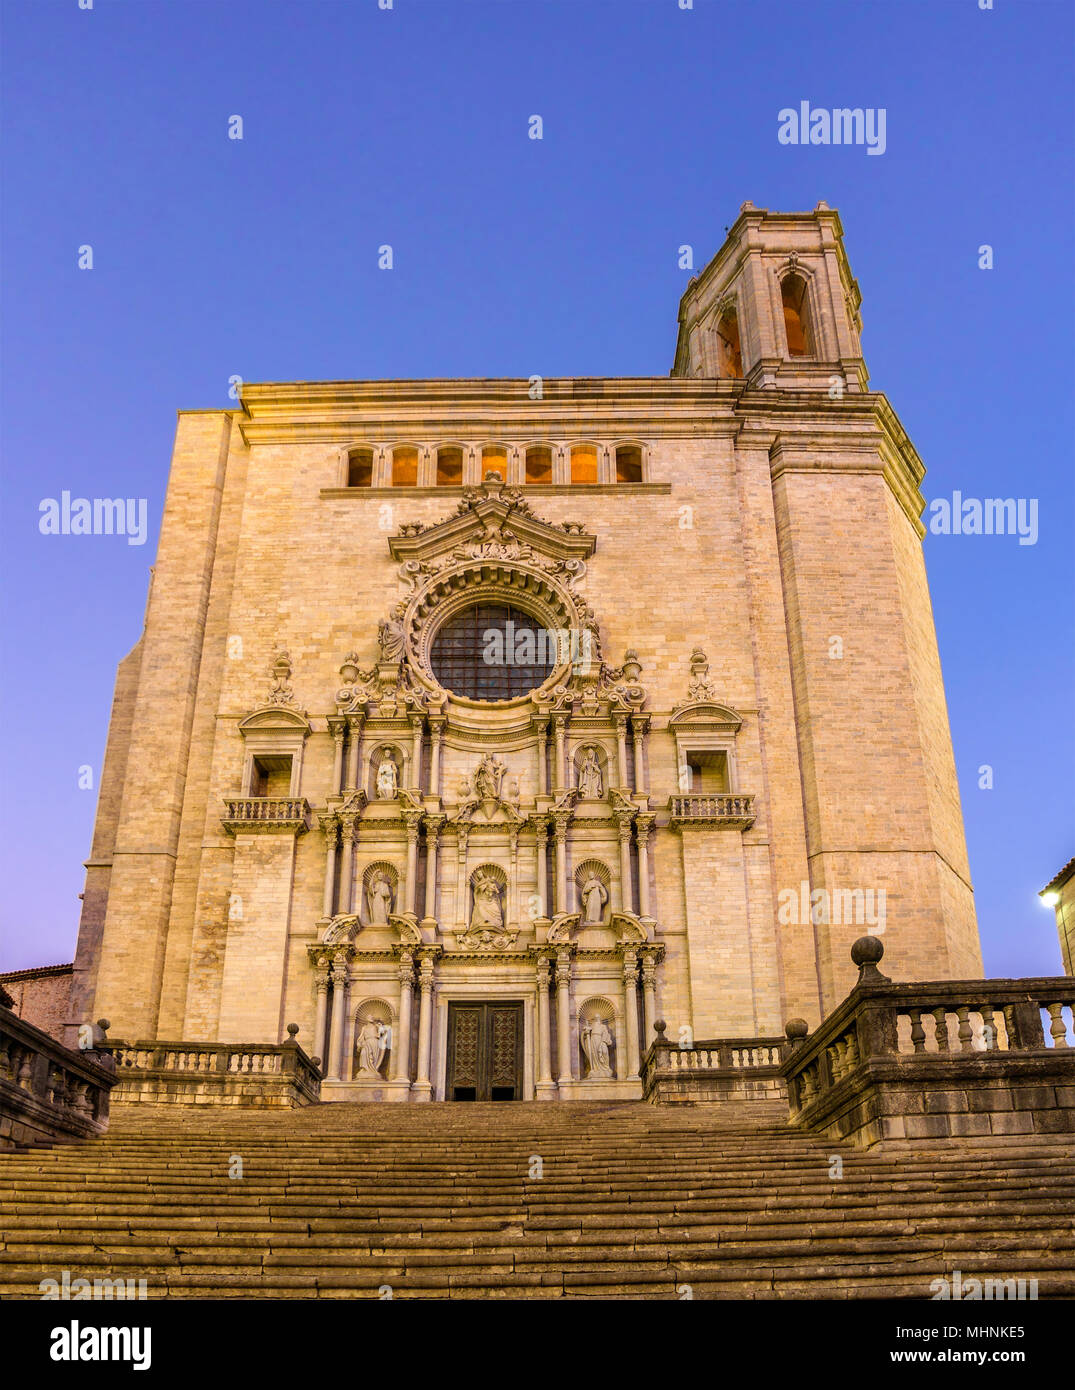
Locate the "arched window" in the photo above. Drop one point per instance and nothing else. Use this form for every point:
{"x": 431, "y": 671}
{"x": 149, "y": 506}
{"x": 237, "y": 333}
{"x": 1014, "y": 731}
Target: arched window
{"x": 731, "y": 358}
{"x": 494, "y": 460}
{"x": 404, "y": 466}
{"x": 797, "y": 326}
{"x": 449, "y": 467}
{"x": 539, "y": 464}
{"x": 492, "y": 651}
{"x": 583, "y": 463}
{"x": 360, "y": 468}
{"x": 628, "y": 463}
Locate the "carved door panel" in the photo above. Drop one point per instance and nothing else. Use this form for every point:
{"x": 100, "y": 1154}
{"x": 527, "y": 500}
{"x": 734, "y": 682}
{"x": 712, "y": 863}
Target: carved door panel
{"x": 485, "y": 1052}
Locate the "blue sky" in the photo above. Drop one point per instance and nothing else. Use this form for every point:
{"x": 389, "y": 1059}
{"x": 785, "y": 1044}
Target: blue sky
{"x": 258, "y": 258}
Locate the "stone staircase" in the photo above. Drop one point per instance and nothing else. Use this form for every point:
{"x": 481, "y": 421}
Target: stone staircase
{"x": 437, "y": 1201}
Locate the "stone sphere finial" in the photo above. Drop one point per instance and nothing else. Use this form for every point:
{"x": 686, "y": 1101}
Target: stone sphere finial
{"x": 292, "y": 1029}
{"x": 796, "y": 1030}
{"x": 659, "y": 1027}
{"x": 104, "y": 1024}
{"x": 865, "y": 953}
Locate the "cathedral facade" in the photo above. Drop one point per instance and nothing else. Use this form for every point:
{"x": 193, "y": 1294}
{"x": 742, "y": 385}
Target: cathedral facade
{"x": 477, "y": 725}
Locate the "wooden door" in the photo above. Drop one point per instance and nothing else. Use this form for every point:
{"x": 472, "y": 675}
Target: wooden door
{"x": 485, "y": 1052}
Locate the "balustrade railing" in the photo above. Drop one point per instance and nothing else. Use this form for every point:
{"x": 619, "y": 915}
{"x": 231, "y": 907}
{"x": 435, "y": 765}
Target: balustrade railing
{"x": 266, "y": 810}
{"x": 710, "y": 1059}
{"x": 734, "y": 809}
{"x": 181, "y": 1062}
{"x": 48, "y": 1091}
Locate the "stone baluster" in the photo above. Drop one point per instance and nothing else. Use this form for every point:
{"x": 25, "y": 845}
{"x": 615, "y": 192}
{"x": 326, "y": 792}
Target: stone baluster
{"x": 330, "y": 825}
{"x": 965, "y": 1033}
{"x": 621, "y": 751}
{"x": 403, "y": 1032}
{"x": 422, "y": 1087}
{"x": 918, "y": 1033}
{"x": 339, "y": 1017}
{"x": 630, "y": 1011}
{"x": 545, "y": 1084}
{"x": 321, "y": 982}
{"x": 940, "y": 1029}
{"x": 412, "y": 821}
{"x": 354, "y": 751}
{"x": 563, "y": 1014}
{"x": 1058, "y": 1029}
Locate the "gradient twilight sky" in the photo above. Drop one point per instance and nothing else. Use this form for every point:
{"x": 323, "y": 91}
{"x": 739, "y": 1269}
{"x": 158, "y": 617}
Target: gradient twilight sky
{"x": 215, "y": 257}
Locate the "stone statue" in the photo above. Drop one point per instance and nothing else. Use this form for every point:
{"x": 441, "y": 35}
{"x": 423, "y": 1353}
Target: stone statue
{"x": 391, "y": 636}
{"x": 388, "y": 778}
{"x": 371, "y": 1047}
{"x": 593, "y": 895}
{"x": 488, "y": 909}
{"x": 591, "y": 783}
{"x": 379, "y": 894}
{"x": 596, "y": 1042}
{"x": 488, "y": 778}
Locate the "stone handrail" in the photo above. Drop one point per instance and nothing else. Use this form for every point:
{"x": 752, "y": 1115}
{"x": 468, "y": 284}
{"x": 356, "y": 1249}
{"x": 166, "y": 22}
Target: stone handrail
{"x": 731, "y": 809}
{"x": 709, "y": 1058}
{"x": 976, "y": 1032}
{"x": 266, "y": 810}
{"x": 195, "y": 1062}
{"x": 48, "y": 1091}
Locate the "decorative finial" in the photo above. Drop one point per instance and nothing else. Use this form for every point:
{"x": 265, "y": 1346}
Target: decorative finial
{"x": 292, "y": 1029}
{"x": 866, "y": 952}
{"x": 797, "y": 1030}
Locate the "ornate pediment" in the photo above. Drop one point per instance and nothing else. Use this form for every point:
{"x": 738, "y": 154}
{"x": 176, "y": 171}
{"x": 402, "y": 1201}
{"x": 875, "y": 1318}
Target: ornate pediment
{"x": 492, "y": 521}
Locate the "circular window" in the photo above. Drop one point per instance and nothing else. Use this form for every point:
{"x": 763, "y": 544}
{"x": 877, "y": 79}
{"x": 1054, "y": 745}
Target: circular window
{"x": 492, "y": 651}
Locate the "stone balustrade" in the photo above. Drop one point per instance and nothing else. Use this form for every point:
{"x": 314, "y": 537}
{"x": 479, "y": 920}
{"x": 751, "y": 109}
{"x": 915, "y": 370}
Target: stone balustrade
{"x": 723, "y": 810}
{"x": 248, "y": 1074}
{"x": 47, "y": 1091}
{"x": 935, "y": 1060}
{"x": 714, "y": 1069}
{"x": 247, "y": 813}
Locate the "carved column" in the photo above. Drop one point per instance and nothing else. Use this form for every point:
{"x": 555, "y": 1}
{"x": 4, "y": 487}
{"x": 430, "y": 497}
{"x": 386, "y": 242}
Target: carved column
{"x": 545, "y": 1085}
{"x": 339, "y": 1017}
{"x": 639, "y": 726}
{"x": 542, "y": 833}
{"x": 412, "y": 819}
{"x": 330, "y": 825}
{"x": 623, "y": 829}
{"x": 436, "y": 736}
{"x": 403, "y": 1037}
{"x": 649, "y": 996}
{"x": 416, "y": 752}
{"x": 347, "y": 862}
{"x": 433, "y": 825}
{"x": 543, "y": 771}
{"x": 354, "y": 750}
{"x": 321, "y": 981}
{"x": 563, "y": 903}
{"x": 643, "y": 825}
{"x": 630, "y": 1007}
{"x": 513, "y": 882}
{"x": 339, "y": 728}
{"x": 559, "y": 725}
{"x": 563, "y": 1013}
{"x": 621, "y": 751}
{"x": 422, "y": 1085}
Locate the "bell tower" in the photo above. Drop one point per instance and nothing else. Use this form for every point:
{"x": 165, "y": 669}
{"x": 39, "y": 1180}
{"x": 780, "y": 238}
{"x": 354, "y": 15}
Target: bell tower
{"x": 777, "y": 305}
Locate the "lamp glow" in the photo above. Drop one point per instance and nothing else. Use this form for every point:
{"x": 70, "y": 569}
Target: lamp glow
{"x": 1050, "y": 899}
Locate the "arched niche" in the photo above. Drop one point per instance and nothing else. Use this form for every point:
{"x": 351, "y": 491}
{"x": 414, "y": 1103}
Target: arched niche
{"x": 273, "y": 743}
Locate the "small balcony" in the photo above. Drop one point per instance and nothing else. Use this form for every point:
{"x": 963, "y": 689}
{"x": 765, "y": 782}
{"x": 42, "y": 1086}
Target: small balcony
{"x": 712, "y": 811}
{"x": 250, "y": 814}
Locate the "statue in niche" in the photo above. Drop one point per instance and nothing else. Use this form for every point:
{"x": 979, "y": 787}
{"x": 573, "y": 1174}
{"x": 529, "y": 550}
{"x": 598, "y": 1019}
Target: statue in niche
{"x": 591, "y": 783}
{"x": 488, "y": 778}
{"x": 488, "y": 908}
{"x": 596, "y": 1044}
{"x": 371, "y": 1048}
{"x": 388, "y": 779}
{"x": 391, "y": 636}
{"x": 593, "y": 895}
{"x": 379, "y": 894}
